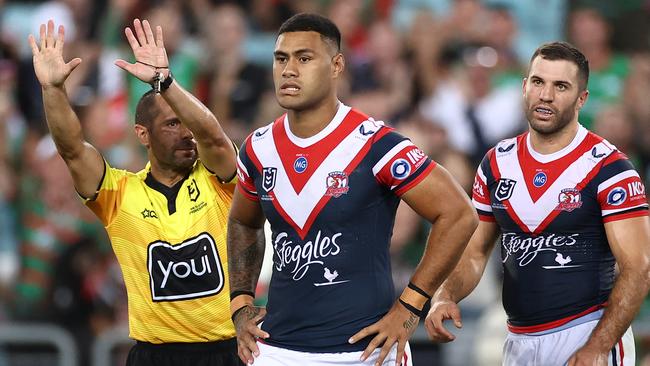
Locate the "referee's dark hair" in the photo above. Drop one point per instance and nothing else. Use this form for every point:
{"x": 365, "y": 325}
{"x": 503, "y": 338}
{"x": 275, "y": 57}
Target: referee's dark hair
{"x": 309, "y": 22}
{"x": 568, "y": 52}
{"x": 147, "y": 109}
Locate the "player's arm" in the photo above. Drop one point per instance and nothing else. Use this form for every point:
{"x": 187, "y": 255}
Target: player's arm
{"x": 440, "y": 200}
{"x": 215, "y": 148}
{"x": 629, "y": 241}
{"x": 461, "y": 282}
{"x": 245, "y": 254}
{"x": 83, "y": 160}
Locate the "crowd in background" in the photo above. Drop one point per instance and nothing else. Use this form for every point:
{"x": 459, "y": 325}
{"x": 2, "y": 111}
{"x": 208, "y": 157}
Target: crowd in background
{"x": 446, "y": 73}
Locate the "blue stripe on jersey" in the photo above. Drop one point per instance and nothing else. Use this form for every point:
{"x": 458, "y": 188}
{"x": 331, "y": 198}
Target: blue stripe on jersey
{"x": 609, "y": 170}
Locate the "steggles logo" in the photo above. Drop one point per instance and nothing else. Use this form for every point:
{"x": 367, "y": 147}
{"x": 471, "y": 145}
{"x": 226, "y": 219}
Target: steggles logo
{"x": 525, "y": 249}
{"x": 299, "y": 258}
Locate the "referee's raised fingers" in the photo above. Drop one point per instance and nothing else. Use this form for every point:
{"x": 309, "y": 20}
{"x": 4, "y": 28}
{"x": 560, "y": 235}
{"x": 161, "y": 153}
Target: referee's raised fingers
{"x": 49, "y": 37}
{"x": 32, "y": 44}
{"x": 41, "y": 33}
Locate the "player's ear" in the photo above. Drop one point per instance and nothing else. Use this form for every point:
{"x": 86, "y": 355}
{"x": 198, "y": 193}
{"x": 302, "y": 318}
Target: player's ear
{"x": 142, "y": 133}
{"x": 582, "y": 98}
{"x": 338, "y": 63}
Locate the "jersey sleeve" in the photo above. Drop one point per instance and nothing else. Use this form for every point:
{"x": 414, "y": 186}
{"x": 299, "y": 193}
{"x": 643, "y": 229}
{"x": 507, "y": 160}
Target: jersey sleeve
{"x": 481, "y": 195}
{"x": 400, "y": 164}
{"x": 106, "y": 203}
{"x": 621, "y": 193}
{"x": 245, "y": 169}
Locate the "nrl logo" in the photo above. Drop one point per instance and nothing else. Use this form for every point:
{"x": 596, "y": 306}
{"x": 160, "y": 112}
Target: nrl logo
{"x": 504, "y": 189}
{"x": 268, "y": 178}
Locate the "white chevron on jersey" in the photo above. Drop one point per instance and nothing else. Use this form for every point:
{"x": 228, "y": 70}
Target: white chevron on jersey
{"x": 531, "y": 213}
{"x": 299, "y": 206}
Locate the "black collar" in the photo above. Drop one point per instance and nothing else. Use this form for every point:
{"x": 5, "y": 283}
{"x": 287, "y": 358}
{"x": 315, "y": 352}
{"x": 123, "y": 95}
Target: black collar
{"x": 169, "y": 192}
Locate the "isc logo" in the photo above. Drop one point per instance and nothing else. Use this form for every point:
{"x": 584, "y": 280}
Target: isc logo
{"x": 188, "y": 270}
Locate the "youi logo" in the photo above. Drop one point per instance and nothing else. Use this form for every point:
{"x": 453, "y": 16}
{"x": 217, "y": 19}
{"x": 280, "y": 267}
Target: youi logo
{"x": 540, "y": 179}
{"x": 300, "y": 165}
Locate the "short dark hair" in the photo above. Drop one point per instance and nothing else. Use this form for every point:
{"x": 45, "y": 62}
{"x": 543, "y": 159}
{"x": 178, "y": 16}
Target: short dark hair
{"x": 565, "y": 51}
{"x": 309, "y": 22}
{"x": 147, "y": 109}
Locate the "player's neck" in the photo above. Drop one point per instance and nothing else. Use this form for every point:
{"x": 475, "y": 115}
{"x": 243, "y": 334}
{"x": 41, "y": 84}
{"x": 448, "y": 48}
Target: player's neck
{"x": 549, "y": 144}
{"x": 166, "y": 176}
{"x": 307, "y": 123}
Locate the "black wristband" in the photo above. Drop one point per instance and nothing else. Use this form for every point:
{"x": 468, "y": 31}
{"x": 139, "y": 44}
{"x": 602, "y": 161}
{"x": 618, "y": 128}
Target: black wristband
{"x": 241, "y": 292}
{"x": 232, "y": 317}
{"x": 411, "y": 308}
{"x": 420, "y": 291}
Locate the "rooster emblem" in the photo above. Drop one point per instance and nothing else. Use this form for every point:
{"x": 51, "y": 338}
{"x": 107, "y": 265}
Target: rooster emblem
{"x": 562, "y": 260}
{"x": 330, "y": 276}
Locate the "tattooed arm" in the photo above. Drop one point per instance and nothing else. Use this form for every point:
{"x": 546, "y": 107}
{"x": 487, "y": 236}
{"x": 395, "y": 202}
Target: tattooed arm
{"x": 245, "y": 255}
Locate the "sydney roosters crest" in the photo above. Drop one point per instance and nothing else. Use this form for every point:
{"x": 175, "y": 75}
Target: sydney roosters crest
{"x": 569, "y": 199}
{"x": 337, "y": 184}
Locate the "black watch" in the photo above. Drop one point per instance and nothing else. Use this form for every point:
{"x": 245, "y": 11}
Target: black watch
{"x": 167, "y": 82}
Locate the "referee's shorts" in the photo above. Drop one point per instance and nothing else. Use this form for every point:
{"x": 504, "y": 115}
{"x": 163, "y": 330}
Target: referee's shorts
{"x": 222, "y": 353}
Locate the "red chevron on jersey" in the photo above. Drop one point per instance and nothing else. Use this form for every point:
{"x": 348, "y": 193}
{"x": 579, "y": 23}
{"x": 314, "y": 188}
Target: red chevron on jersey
{"x": 298, "y": 160}
{"x": 300, "y": 192}
{"x": 538, "y": 180}
{"x": 512, "y": 164}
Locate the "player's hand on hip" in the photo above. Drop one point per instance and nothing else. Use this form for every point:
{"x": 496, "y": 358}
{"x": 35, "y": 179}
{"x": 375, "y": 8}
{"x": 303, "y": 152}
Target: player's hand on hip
{"x": 587, "y": 356}
{"x": 395, "y": 327}
{"x": 148, "y": 50}
{"x": 439, "y": 312}
{"x": 246, "y": 322}
{"x": 49, "y": 66}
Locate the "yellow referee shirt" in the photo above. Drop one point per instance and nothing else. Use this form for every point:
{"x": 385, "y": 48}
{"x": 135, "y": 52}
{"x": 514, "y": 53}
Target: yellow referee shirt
{"x": 171, "y": 246}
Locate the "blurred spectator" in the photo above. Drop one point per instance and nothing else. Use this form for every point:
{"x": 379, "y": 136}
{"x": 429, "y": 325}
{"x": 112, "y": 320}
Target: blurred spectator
{"x": 474, "y": 114}
{"x": 11, "y": 126}
{"x": 534, "y": 29}
{"x": 614, "y": 123}
{"x": 590, "y": 33}
{"x": 380, "y": 79}
{"x": 54, "y": 220}
{"x": 501, "y": 34}
{"x": 231, "y": 87}
{"x": 636, "y": 105}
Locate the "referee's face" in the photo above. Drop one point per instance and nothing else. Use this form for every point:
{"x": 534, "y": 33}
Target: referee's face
{"x": 305, "y": 70}
{"x": 171, "y": 144}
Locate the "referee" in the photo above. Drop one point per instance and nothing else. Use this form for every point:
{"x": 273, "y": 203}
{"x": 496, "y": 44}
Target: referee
{"x": 167, "y": 222}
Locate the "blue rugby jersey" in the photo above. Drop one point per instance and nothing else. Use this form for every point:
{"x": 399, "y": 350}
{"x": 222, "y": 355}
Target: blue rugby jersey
{"x": 331, "y": 201}
{"x": 551, "y": 211}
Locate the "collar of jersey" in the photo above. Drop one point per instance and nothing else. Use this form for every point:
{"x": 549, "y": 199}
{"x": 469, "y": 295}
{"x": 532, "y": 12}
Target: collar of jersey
{"x": 546, "y": 158}
{"x": 341, "y": 112}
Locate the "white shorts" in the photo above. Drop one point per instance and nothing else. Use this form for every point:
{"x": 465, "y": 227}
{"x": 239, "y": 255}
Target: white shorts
{"x": 555, "y": 349}
{"x": 275, "y": 356}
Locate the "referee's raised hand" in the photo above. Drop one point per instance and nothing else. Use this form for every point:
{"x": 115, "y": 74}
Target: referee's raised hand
{"x": 148, "y": 50}
{"x": 50, "y": 68}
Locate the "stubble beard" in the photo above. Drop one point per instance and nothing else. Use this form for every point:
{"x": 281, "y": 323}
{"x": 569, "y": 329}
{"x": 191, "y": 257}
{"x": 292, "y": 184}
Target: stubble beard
{"x": 556, "y": 124}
